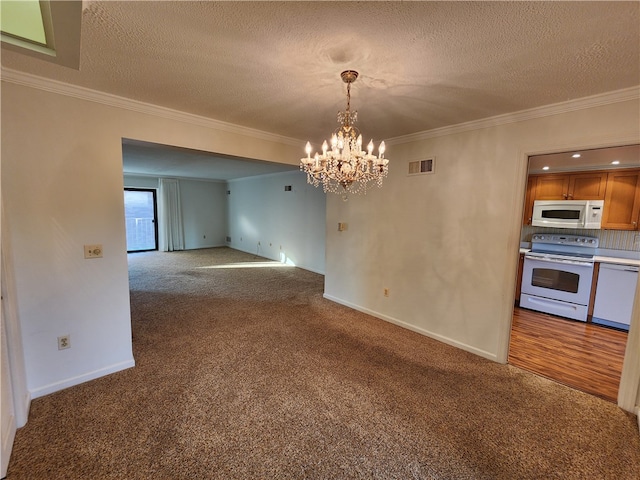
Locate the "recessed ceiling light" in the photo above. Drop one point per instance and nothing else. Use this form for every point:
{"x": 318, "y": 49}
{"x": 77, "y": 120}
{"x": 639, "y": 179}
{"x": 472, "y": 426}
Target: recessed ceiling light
{"x": 615, "y": 162}
{"x": 545, "y": 168}
{"x": 576, "y": 155}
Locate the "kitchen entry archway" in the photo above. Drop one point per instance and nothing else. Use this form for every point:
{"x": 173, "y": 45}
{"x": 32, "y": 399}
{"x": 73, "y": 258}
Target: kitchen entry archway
{"x": 532, "y": 325}
{"x": 141, "y": 218}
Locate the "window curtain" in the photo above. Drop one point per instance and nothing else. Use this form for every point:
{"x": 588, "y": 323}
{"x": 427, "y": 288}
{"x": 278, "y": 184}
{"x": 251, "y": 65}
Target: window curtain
{"x": 171, "y": 214}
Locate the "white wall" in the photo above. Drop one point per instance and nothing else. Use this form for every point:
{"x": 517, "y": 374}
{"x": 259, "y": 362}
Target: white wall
{"x": 289, "y": 226}
{"x": 139, "y": 181}
{"x": 204, "y": 213}
{"x": 62, "y": 187}
{"x": 204, "y": 209}
{"x": 446, "y": 244}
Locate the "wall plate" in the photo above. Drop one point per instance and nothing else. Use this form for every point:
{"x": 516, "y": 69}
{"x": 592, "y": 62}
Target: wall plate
{"x": 93, "y": 251}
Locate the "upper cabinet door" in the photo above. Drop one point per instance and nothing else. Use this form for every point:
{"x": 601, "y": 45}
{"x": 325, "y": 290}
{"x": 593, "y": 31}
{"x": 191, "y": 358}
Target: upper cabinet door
{"x": 622, "y": 201}
{"x": 552, "y": 187}
{"x": 587, "y": 186}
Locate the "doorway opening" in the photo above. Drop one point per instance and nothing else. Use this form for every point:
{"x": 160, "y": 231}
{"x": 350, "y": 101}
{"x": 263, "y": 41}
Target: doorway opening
{"x": 141, "y": 218}
{"x": 579, "y": 352}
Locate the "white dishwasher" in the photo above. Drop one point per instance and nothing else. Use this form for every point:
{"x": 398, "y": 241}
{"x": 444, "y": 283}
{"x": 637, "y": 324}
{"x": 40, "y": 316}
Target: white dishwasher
{"x": 615, "y": 293}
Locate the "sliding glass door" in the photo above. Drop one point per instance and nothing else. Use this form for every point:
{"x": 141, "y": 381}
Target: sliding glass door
{"x": 140, "y": 213}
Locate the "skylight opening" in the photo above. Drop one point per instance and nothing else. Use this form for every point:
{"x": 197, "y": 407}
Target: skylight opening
{"x": 27, "y": 24}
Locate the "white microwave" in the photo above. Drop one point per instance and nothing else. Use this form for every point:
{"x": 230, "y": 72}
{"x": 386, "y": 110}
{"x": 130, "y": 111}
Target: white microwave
{"x": 567, "y": 213}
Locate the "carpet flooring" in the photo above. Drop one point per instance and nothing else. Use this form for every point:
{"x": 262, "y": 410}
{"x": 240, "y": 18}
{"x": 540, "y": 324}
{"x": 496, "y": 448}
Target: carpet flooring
{"x": 244, "y": 371}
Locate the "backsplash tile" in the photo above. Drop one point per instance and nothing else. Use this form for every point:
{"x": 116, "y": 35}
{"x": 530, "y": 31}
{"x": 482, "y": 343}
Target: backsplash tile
{"x": 609, "y": 239}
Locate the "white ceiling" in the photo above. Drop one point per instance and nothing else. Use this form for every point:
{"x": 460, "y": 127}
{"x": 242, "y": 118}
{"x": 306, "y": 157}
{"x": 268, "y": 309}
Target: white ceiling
{"x": 627, "y": 156}
{"x": 275, "y": 66}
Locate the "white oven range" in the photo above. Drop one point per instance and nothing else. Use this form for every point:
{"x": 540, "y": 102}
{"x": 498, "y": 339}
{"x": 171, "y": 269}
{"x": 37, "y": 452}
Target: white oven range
{"x": 557, "y": 275}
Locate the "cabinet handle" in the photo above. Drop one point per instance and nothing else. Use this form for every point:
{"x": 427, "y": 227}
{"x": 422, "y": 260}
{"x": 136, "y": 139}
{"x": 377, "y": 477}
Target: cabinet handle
{"x": 564, "y": 195}
{"x": 570, "y": 195}
{"x": 635, "y": 224}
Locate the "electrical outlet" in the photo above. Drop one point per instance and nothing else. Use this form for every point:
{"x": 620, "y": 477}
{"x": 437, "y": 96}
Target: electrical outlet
{"x": 93, "y": 251}
{"x": 386, "y": 292}
{"x": 64, "y": 342}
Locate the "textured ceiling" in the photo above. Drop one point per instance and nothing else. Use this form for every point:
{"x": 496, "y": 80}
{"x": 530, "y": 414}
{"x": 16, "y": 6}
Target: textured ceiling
{"x": 275, "y": 66}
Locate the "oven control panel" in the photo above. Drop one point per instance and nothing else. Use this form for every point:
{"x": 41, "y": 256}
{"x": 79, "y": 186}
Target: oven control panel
{"x": 572, "y": 240}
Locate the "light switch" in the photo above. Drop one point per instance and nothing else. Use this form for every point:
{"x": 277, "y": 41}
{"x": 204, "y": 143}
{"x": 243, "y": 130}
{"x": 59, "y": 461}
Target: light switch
{"x": 93, "y": 251}
{"x": 342, "y": 226}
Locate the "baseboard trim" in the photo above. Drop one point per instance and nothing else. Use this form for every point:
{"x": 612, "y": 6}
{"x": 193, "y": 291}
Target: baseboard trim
{"x": 22, "y": 411}
{"x": 204, "y": 247}
{"x": 638, "y": 417}
{"x": 421, "y": 331}
{"x": 303, "y": 267}
{"x": 8, "y": 436}
{"x": 85, "y": 377}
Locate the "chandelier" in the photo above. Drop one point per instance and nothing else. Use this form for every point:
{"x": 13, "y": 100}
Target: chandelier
{"x": 345, "y": 167}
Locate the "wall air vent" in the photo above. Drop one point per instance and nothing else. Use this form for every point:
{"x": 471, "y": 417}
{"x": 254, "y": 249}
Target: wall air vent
{"x": 422, "y": 167}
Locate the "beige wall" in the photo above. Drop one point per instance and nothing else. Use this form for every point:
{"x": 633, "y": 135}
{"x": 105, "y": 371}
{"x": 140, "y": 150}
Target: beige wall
{"x": 62, "y": 188}
{"x": 446, "y": 244}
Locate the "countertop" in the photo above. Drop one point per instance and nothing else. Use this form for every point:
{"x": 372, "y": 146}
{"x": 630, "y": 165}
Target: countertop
{"x": 608, "y": 258}
{"x": 617, "y": 260}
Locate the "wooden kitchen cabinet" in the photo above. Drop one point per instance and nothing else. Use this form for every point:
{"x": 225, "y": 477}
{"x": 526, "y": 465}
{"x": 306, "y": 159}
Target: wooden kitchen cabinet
{"x": 587, "y": 186}
{"x": 622, "y": 201}
{"x": 530, "y": 196}
{"x": 594, "y": 287}
{"x": 551, "y": 187}
{"x": 620, "y": 190}
{"x": 519, "y": 279}
{"x": 575, "y": 186}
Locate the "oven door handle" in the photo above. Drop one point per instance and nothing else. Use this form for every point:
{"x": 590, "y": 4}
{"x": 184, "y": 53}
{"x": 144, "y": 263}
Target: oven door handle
{"x": 559, "y": 260}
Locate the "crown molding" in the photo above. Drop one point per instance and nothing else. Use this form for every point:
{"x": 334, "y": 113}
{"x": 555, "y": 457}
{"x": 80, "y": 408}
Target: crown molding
{"x": 61, "y": 88}
{"x": 617, "y": 96}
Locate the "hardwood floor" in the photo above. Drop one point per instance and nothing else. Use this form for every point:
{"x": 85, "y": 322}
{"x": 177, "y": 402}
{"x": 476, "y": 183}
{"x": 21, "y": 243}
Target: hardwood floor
{"x": 581, "y": 355}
